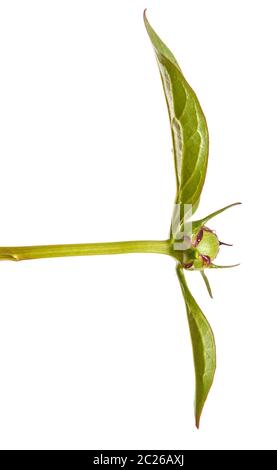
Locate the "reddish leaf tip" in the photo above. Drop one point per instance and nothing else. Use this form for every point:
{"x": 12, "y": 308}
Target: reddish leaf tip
{"x": 225, "y": 244}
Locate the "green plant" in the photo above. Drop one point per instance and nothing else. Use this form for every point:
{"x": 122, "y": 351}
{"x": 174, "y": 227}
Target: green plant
{"x": 191, "y": 243}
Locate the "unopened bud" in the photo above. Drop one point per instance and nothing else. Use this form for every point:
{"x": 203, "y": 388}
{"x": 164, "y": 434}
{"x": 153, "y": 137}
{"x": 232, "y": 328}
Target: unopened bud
{"x": 204, "y": 248}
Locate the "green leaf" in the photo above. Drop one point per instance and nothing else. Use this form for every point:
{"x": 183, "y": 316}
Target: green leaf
{"x": 188, "y": 126}
{"x": 216, "y": 266}
{"x": 206, "y": 280}
{"x": 158, "y": 44}
{"x": 199, "y": 223}
{"x": 203, "y": 346}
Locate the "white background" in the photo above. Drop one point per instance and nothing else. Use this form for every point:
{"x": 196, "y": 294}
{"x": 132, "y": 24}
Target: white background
{"x": 95, "y": 352}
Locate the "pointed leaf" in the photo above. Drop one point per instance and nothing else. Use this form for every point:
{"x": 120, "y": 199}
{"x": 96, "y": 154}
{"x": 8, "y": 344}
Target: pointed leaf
{"x": 206, "y": 280}
{"x": 157, "y": 43}
{"x": 216, "y": 266}
{"x": 199, "y": 223}
{"x": 203, "y": 346}
{"x": 188, "y": 125}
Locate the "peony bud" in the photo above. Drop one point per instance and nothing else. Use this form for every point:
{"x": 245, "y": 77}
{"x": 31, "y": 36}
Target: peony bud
{"x": 204, "y": 248}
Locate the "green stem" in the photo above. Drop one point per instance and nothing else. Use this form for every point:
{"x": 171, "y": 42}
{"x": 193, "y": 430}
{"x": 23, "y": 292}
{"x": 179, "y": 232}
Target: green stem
{"x": 85, "y": 249}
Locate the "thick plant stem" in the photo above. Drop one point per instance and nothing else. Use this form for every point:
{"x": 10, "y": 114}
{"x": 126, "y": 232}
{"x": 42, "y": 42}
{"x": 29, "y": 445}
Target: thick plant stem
{"x": 85, "y": 249}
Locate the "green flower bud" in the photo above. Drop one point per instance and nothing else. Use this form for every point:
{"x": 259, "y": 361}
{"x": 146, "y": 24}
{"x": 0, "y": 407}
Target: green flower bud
{"x": 209, "y": 244}
{"x": 204, "y": 248}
